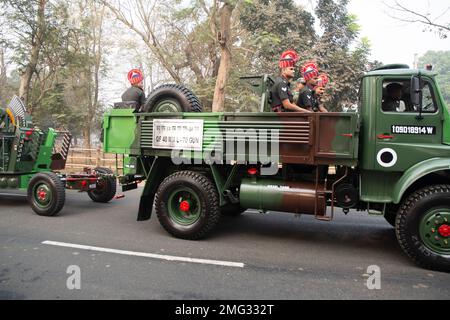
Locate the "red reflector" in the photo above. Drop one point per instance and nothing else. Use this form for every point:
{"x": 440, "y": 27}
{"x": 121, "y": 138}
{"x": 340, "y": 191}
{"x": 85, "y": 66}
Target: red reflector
{"x": 252, "y": 171}
{"x": 29, "y": 133}
{"x": 185, "y": 206}
{"x": 84, "y": 183}
{"x": 444, "y": 230}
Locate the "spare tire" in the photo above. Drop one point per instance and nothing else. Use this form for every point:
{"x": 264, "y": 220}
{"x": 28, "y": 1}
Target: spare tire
{"x": 172, "y": 98}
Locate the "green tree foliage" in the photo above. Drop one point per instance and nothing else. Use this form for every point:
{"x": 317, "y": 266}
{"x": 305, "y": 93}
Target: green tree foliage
{"x": 277, "y": 25}
{"x": 333, "y": 53}
{"x": 441, "y": 64}
{"x": 274, "y": 26}
{"x": 49, "y": 38}
{"x": 64, "y": 72}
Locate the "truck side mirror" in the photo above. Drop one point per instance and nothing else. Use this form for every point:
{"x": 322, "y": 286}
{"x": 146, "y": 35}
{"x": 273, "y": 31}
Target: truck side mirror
{"x": 416, "y": 92}
{"x": 416, "y": 95}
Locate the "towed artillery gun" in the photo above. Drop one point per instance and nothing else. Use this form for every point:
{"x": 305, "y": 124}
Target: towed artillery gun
{"x": 198, "y": 165}
{"x": 31, "y": 160}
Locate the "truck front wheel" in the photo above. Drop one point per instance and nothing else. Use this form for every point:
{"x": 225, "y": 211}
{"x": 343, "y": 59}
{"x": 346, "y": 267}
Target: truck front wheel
{"x": 423, "y": 227}
{"x": 187, "y": 205}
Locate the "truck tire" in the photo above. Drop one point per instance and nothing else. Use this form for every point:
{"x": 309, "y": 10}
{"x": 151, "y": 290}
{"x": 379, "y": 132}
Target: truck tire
{"x": 106, "y": 187}
{"x": 172, "y": 98}
{"x": 46, "y": 194}
{"x": 423, "y": 227}
{"x": 232, "y": 210}
{"x": 187, "y": 205}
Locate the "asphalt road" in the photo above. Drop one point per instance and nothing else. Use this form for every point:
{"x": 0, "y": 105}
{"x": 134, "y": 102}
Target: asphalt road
{"x": 276, "y": 256}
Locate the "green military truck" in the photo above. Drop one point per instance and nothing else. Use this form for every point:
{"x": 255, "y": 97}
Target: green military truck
{"x": 392, "y": 161}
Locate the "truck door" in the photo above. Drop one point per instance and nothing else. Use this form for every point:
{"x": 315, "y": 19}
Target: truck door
{"x": 402, "y": 137}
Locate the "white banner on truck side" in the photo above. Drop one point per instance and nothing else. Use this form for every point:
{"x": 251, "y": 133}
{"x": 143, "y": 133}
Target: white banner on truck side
{"x": 181, "y": 134}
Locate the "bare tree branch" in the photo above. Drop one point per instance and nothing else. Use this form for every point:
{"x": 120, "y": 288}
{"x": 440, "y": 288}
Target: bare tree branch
{"x": 410, "y": 16}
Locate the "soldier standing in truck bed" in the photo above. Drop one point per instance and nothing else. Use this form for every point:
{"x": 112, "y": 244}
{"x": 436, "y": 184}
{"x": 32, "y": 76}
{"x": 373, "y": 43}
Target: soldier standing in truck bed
{"x": 281, "y": 95}
{"x": 319, "y": 90}
{"x": 308, "y": 98}
{"x": 136, "y": 92}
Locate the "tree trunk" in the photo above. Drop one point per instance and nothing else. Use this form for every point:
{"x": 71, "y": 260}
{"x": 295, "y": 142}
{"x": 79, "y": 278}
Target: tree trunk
{"x": 36, "y": 44}
{"x": 2, "y": 67}
{"x": 224, "y": 38}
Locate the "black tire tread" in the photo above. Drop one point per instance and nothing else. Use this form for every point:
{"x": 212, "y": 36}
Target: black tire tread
{"x": 194, "y": 102}
{"x": 409, "y": 203}
{"x": 108, "y": 196}
{"x": 212, "y": 199}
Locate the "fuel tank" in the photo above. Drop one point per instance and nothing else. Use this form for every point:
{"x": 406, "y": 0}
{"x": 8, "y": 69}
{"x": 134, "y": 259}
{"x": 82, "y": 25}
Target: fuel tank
{"x": 280, "y": 195}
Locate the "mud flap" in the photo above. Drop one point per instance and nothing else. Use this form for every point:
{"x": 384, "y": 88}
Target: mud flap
{"x": 154, "y": 178}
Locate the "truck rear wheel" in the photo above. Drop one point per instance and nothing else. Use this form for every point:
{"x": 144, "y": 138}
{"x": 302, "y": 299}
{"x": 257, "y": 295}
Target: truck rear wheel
{"x": 187, "y": 205}
{"x": 172, "y": 98}
{"x": 46, "y": 194}
{"x": 423, "y": 227}
{"x": 106, "y": 186}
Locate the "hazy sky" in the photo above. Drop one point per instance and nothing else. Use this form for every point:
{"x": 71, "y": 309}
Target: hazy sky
{"x": 394, "y": 41}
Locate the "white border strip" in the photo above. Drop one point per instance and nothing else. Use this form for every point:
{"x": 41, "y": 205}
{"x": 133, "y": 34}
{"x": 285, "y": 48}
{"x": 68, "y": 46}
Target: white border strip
{"x": 146, "y": 255}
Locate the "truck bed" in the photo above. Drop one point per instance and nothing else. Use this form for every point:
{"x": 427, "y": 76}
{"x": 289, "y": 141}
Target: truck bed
{"x": 294, "y": 137}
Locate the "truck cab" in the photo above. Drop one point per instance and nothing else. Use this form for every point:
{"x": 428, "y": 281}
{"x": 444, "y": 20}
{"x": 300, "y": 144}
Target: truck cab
{"x": 402, "y": 144}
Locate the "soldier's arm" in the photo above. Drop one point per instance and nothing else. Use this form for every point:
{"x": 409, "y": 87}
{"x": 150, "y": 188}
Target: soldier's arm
{"x": 142, "y": 100}
{"x": 293, "y": 107}
{"x": 287, "y": 104}
{"x": 322, "y": 108}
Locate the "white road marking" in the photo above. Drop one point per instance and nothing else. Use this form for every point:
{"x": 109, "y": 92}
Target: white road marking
{"x": 146, "y": 255}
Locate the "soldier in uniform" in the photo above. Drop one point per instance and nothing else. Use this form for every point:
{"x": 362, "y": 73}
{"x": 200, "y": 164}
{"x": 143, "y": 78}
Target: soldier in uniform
{"x": 281, "y": 95}
{"x": 308, "y": 98}
{"x": 393, "y": 101}
{"x": 319, "y": 90}
{"x": 136, "y": 92}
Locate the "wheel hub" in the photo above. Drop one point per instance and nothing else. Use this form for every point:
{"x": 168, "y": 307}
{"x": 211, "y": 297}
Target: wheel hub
{"x": 42, "y": 195}
{"x": 435, "y": 230}
{"x": 444, "y": 230}
{"x": 185, "y": 206}
{"x": 167, "y": 106}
